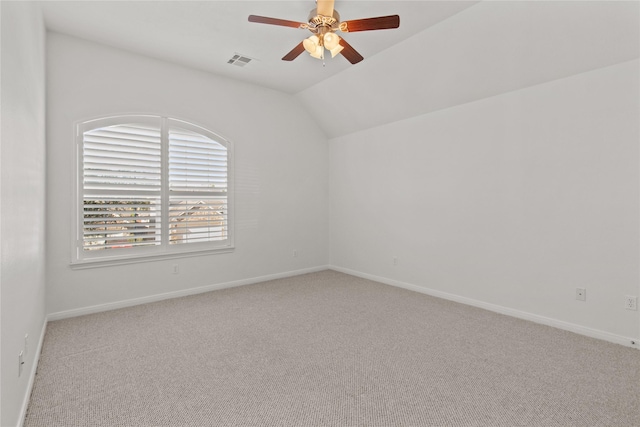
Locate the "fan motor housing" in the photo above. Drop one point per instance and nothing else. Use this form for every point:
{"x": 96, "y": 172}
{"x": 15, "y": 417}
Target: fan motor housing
{"x": 316, "y": 20}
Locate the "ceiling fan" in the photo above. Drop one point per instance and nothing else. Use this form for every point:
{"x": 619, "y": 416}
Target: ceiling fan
{"x": 323, "y": 22}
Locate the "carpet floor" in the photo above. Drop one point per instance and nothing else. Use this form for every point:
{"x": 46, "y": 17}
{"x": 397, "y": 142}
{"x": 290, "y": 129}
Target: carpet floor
{"x": 326, "y": 349}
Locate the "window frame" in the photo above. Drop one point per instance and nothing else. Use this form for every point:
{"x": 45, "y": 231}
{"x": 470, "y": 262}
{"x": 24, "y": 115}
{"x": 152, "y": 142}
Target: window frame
{"x": 81, "y": 259}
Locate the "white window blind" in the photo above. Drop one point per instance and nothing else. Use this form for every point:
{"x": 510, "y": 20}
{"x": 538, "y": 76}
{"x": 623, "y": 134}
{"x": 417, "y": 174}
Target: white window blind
{"x": 197, "y": 187}
{"x": 151, "y": 185}
{"x": 122, "y": 187}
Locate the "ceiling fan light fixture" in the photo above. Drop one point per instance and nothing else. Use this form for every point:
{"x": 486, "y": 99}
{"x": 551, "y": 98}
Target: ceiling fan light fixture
{"x": 319, "y": 53}
{"x": 336, "y": 50}
{"x": 331, "y": 40}
{"x": 323, "y": 22}
{"x": 311, "y": 44}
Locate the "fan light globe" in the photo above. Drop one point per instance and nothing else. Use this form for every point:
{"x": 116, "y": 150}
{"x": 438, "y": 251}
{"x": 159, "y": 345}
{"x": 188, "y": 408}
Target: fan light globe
{"x": 319, "y": 52}
{"x": 331, "y": 40}
{"x": 311, "y": 44}
{"x": 336, "y": 50}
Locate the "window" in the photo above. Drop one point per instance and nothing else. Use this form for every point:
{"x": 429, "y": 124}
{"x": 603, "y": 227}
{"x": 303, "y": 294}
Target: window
{"x": 151, "y": 186}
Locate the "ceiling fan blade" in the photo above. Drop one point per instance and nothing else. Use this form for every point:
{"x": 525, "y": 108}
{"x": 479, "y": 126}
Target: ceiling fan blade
{"x": 275, "y": 21}
{"x": 324, "y": 7}
{"x": 368, "y": 24}
{"x": 350, "y": 53}
{"x": 295, "y": 52}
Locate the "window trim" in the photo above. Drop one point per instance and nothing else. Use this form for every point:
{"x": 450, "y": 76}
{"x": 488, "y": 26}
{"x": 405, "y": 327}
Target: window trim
{"x": 154, "y": 253}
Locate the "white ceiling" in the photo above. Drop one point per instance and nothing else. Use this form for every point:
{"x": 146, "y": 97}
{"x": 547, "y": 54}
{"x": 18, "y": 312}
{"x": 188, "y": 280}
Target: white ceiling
{"x": 445, "y": 53}
{"x": 206, "y": 34}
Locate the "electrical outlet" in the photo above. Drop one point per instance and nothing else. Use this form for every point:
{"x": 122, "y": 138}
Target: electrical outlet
{"x": 20, "y": 362}
{"x": 581, "y": 294}
{"x": 631, "y": 302}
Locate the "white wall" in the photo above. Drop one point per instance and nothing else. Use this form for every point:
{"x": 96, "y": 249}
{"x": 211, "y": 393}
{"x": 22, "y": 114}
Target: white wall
{"x": 513, "y": 200}
{"x": 280, "y": 170}
{"x": 22, "y": 209}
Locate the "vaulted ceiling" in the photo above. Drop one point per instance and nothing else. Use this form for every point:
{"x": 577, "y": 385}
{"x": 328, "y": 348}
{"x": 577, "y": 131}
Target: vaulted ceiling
{"x": 206, "y": 34}
{"x": 445, "y": 53}
{"x": 490, "y": 48}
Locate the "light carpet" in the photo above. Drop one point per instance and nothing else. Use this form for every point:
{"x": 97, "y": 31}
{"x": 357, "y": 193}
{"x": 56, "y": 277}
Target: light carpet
{"x": 326, "y": 349}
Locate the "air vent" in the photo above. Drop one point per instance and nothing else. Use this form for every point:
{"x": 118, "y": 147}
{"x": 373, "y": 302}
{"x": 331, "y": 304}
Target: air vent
{"x": 239, "y": 60}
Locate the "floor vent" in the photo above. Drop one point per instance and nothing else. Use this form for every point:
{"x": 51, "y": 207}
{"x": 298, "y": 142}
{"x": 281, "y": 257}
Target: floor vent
{"x": 239, "y": 60}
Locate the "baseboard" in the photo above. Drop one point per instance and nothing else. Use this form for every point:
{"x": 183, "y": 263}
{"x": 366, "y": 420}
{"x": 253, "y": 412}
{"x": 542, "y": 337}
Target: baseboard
{"x": 567, "y": 326}
{"x": 185, "y": 292}
{"x": 32, "y": 375}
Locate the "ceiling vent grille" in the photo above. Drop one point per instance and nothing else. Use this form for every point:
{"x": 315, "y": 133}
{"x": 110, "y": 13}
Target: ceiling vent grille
{"x": 239, "y": 60}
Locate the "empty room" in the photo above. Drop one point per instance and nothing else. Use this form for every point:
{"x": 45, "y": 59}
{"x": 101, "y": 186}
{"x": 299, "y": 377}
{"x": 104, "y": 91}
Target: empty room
{"x": 331, "y": 213}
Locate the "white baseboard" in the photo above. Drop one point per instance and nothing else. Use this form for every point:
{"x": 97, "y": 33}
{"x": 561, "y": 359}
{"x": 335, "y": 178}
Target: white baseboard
{"x": 185, "y": 292}
{"x": 567, "y": 326}
{"x": 32, "y": 375}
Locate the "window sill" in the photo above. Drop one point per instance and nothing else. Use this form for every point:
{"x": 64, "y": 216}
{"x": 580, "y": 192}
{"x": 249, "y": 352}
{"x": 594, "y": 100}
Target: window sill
{"x": 136, "y": 259}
